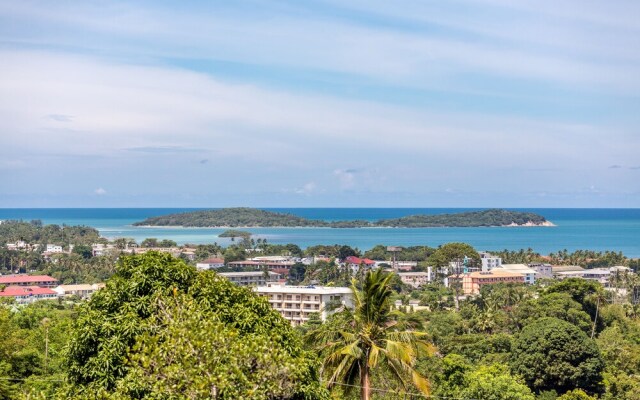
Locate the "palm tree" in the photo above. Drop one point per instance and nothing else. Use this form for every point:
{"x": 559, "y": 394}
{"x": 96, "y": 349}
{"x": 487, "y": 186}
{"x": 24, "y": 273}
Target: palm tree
{"x": 355, "y": 342}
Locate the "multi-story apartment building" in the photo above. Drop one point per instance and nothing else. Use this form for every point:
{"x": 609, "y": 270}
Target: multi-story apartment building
{"x": 297, "y": 303}
{"x": 415, "y": 279}
{"x": 251, "y": 278}
{"x": 544, "y": 271}
{"x": 489, "y": 261}
{"x": 474, "y": 281}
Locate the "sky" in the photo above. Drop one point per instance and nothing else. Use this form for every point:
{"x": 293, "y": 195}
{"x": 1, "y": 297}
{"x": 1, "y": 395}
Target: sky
{"x": 463, "y": 103}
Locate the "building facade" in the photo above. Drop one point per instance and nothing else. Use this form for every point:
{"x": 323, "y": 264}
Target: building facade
{"x": 474, "y": 281}
{"x": 297, "y": 303}
{"x": 251, "y": 278}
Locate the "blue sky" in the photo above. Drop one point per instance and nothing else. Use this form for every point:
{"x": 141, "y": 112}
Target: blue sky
{"x": 469, "y": 103}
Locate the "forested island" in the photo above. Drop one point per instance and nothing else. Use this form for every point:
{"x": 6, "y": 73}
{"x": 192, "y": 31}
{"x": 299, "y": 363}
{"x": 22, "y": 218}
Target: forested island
{"x": 251, "y": 217}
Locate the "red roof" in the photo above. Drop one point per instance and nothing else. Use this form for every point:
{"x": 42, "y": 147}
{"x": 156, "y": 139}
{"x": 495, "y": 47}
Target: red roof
{"x": 356, "y": 260}
{"x": 13, "y": 291}
{"x": 13, "y": 279}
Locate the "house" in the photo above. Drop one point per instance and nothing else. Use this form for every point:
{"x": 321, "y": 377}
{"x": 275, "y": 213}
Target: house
{"x": 28, "y": 280}
{"x": 472, "y": 282}
{"x": 28, "y": 294}
{"x": 210, "y": 263}
{"x": 251, "y": 278}
{"x": 415, "y": 279}
{"x": 297, "y": 303}
{"x": 82, "y": 290}
{"x": 355, "y": 262}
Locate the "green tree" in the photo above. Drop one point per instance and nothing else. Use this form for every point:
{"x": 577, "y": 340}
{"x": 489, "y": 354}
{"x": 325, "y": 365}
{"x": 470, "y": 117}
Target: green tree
{"x": 369, "y": 337}
{"x": 121, "y": 325}
{"x": 495, "y": 382}
{"x": 576, "y": 394}
{"x": 553, "y": 354}
{"x": 84, "y": 250}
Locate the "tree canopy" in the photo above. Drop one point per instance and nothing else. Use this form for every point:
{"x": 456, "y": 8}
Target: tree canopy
{"x": 136, "y": 326}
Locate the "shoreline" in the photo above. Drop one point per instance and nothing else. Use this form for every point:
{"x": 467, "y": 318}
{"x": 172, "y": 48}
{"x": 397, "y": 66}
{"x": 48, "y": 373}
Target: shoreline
{"x": 512, "y": 225}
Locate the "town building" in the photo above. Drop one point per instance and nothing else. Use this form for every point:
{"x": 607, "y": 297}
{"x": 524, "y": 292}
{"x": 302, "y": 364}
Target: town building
{"x": 528, "y": 273}
{"x": 28, "y": 294}
{"x": 210, "y": 263}
{"x": 544, "y": 271}
{"x": 356, "y": 262}
{"x": 472, "y": 282}
{"x": 415, "y": 279}
{"x": 297, "y": 303}
{"x": 251, "y": 278}
{"x": 54, "y": 249}
{"x": 489, "y": 261}
{"x": 81, "y": 290}
{"x": 567, "y": 271}
{"x": 28, "y": 280}
{"x": 280, "y": 267}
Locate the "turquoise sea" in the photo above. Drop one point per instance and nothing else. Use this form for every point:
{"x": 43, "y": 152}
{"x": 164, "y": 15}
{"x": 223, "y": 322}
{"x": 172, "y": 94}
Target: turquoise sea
{"x": 580, "y": 228}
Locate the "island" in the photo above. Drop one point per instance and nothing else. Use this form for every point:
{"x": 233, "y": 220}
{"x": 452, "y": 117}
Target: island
{"x": 255, "y": 218}
{"x": 234, "y": 233}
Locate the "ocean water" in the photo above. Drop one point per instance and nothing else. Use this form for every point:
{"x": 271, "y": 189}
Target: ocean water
{"x": 593, "y": 229}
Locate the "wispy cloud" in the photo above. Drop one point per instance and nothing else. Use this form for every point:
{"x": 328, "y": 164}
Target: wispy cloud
{"x": 100, "y": 191}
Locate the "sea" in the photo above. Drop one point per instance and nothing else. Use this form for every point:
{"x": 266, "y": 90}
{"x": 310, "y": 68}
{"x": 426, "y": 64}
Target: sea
{"x": 576, "y": 228}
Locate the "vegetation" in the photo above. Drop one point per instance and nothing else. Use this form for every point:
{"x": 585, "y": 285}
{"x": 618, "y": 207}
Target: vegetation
{"x": 358, "y": 341}
{"x": 35, "y": 233}
{"x": 160, "y": 324}
{"x": 161, "y": 329}
{"x": 234, "y": 233}
{"x": 249, "y": 217}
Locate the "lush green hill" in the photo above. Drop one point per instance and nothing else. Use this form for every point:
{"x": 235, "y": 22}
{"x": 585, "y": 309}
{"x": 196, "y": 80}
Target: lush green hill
{"x": 250, "y": 217}
{"x": 493, "y": 217}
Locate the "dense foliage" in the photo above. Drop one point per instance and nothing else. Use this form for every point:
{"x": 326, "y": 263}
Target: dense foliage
{"x": 250, "y": 217}
{"x": 35, "y": 232}
{"x": 135, "y": 326}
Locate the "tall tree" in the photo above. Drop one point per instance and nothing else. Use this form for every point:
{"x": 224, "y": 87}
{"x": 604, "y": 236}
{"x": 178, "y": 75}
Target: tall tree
{"x": 370, "y": 336}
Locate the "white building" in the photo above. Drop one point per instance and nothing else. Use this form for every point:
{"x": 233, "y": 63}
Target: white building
{"x": 296, "y": 303}
{"x": 544, "y": 270}
{"x": 251, "y": 278}
{"x": 489, "y": 261}
{"x": 52, "y": 248}
{"x": 210, "y": 263}
{"x": 528, "y": 273}
{"x": 82, "y": 290}
{"x": 415, "y": 279}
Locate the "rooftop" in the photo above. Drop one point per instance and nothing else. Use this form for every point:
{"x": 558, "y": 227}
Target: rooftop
{"x": 12, "y": 291}
{"x": 10, "y": 279}
{"x": 275, "y": 288}
{"x": 246, "y": 273}
{"x": 495, "y": 273}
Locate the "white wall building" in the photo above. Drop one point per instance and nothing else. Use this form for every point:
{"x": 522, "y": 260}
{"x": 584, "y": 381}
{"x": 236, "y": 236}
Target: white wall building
{"x": 210, "y": 263}
{"x": 489, "y": 261}
{"x": 251, "y": 278}
{"x": 52, "y": 248}
{"x": 528, "y": 273}
{"x": 296, "y": 303}
{"x": 415, "y": 279}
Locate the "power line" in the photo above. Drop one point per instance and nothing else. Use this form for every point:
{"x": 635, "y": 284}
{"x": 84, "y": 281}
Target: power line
{"x": 405, "y": 393}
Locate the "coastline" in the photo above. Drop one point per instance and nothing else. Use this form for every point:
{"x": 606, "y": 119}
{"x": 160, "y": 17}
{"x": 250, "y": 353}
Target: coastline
{"x": 511, "y": 225}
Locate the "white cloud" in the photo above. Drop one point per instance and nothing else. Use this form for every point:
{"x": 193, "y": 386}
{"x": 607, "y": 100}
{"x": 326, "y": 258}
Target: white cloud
{"x": 307, "y": 189}
{"x": 100, "y": 191}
